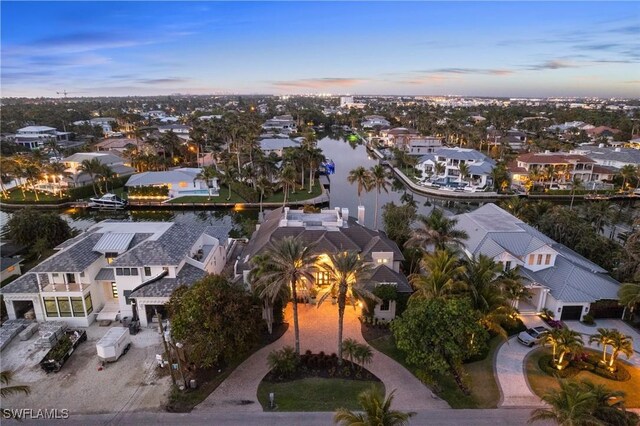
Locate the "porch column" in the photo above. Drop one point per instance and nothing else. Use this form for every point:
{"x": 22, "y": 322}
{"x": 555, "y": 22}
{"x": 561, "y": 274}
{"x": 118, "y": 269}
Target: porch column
{"x": 542, "y": 299}
{"x": 142, "y": 314}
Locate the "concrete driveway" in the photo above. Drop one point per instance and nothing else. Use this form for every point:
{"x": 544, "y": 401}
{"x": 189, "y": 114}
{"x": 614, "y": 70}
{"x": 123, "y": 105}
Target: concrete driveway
{"x": 319, "y": 332}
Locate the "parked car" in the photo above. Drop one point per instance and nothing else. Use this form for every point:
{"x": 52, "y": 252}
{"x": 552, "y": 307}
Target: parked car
{"x": 531, "y": 336}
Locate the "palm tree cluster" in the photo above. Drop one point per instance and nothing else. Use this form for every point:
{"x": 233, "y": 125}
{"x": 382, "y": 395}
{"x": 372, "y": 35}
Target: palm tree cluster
{"x": 29, "y": 170}
{"x": 97, "y": 172}
{"x": 563, "y": 341}
{"x": 584, "y": 404}
{"x": 619, "y": 343}
{"x": 376, "y": 178}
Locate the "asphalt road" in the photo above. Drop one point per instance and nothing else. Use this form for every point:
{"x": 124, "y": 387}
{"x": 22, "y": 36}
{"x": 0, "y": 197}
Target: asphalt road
{"x": 501, "y": 416}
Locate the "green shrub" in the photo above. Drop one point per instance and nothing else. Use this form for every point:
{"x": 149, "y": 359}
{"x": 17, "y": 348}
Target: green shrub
{"x": 620, "y": 374}
{"x": 284, "y": 362}
{"x": 546, "y": 364}
{"x": 588, "y": 319}
{"x": 149, "y": 191}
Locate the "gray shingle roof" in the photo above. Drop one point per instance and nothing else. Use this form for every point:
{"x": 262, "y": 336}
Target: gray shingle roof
{"x": 105, "y": 274}
{"x": 383, "y": 274}
{"x": 169, "y": 249}
{"x": 74, "y": 259}
{"x": 164, "y": 287}
{"x": 28, "y": 283}
{"x": 5, "y": 262}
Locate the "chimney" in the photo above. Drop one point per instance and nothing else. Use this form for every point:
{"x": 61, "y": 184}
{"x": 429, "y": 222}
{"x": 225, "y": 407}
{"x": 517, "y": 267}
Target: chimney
{"x": 361, "y": 215}
{"x": 345, "y": 214}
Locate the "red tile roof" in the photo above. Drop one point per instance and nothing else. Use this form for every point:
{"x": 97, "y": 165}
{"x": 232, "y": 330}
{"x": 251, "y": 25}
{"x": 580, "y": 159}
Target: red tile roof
{"x": 553, "y": 158}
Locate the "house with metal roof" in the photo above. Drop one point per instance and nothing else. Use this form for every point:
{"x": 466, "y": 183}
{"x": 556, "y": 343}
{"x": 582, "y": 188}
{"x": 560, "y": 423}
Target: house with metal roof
{"x": 560, "y": 279}
{"x": 78, "y": 177}
{"x": 329, "y": 232}
{"x": 116, "y": 270}
{"x": 181, "y": 182}
{"x": 479, "y": 165}
{"x": 277, "y": 145}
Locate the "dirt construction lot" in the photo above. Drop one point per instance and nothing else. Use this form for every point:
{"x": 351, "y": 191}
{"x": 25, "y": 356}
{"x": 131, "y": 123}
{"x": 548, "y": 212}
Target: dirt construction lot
{"x": 132, "y": 383}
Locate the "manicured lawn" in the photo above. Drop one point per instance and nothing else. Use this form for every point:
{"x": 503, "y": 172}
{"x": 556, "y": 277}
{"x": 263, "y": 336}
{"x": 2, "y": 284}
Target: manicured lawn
{"x": 221, "y": 198}
{"x": 15, "y": 196}
{"x": 480, "y": 377}
{"x": 541, "y": 382}
{"x": 315, "y": 394}
{"x": 299, "y": 195}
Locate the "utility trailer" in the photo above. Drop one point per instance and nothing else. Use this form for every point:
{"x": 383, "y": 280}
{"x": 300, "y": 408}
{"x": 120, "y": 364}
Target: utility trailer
{"x": 115, "y": 343}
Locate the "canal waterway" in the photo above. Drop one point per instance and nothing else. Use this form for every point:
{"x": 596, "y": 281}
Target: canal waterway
{"x": 346, "y": 156}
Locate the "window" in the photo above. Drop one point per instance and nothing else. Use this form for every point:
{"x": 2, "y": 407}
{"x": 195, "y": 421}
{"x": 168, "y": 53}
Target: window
{"x": 64, "y": 306}
{"x": 119, "y": 271}
{"x": 134, "y": 271}
{"x": 147, "y": 271}
{"x": 532, "y": 258}
{"x": 114, "y": 290}
{"x": 183, "y": 184}
{"x": 547, "y": 259}
{"x": 11, "y": 268}
{"x": 88, "y": 303}
{"x": 110, "y": 257}
{"x": 539, "y": 259}
{"x": 322, "y": 278}
{"x": 126, "y": 272}
{"x": 126, "y": 294}
{"x": 50, "y": 306}
{"x": 507, "y": 265}
{"x": 77, "y": 307}
{"x": 384, "y": 306}
{"x": 82, "y": 274}
{"x": 71, "y": 278}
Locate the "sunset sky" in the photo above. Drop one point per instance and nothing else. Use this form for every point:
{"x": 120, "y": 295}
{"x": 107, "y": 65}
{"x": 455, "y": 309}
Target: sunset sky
{"x": 477, "y": 48}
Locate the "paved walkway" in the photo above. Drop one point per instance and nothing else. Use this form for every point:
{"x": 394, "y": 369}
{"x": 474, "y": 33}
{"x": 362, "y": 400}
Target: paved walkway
{"x": 514, "y": 388}
{"x": 319, "y": 332}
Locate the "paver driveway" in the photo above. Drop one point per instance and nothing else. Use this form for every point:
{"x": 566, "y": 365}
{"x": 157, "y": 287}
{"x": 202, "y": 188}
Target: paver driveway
{"x": 611, "y": 324}
{"x": 319, "y": 332}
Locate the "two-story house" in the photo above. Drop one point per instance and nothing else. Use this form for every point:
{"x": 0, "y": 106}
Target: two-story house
{"x": 479, "y": 166}
{"x": 551, "y": 167}
{"x": 100, "y": 273}
{"x": 328, "y": 232}
{"x": 559, "y": 279}
{"x": 78, "y": 177}
{"x": 35, "y": 137}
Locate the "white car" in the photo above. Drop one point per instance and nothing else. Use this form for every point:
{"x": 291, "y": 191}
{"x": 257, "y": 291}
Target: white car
{"x": 531, "y": 336}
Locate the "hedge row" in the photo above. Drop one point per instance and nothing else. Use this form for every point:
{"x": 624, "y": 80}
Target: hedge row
{"x": 149, "y": 191}
{"x": 87, "y": 190}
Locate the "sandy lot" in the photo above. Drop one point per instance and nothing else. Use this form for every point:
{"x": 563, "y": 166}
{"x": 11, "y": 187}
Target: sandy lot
{"x": 133, "y": 383}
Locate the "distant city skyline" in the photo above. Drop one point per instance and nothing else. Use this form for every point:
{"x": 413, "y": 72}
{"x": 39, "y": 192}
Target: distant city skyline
{"x": 503, "y": 49}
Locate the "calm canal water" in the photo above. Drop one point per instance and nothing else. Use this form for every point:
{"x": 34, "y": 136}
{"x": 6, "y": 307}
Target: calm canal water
{"x": 346, "y": 157}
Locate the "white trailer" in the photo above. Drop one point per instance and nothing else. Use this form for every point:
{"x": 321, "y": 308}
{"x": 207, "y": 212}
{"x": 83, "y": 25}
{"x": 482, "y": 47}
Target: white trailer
{"x": 113, "y": 344}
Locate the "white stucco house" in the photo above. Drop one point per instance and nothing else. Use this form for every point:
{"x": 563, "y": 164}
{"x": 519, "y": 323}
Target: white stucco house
{"x": 181, "y": 182}
{"x": 480, "y": 166}
{"x": 35, "y": 137}
{"x": 560, "y": 279}
{"x": 115, "y": 268}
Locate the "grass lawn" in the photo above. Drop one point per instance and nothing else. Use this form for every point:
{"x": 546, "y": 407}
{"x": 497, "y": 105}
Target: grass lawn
{"x": 221, "y": 198}
{"x": 300, "y": 194}
{"x": 541, "y": 382}
{"x": 15, "y": 196}
{"x": 484, "y": 388}
{"x": 315, "y": 394}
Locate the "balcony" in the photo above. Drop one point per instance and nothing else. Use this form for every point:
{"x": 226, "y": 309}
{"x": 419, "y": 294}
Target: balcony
{"x": 61, "y": 287}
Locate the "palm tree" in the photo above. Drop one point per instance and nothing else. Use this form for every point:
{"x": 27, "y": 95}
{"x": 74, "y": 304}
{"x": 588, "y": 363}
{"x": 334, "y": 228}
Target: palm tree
{"x": 627, "y": 172}
{"x": 106, "y": 174}
{"x": 377, "y": 411}
{"x": 362, "y": 177}
{"x": 287, "y": 180}
{"x": 620, "y": 343}
{"x": 5, "y": 378}
{"x": 262, "y": 265}
{"x": 629, "y": 294}
{"x": 552, "y": 337}
{"x": 439, "y": 168}
{"x": 609, "y": 405}
{"x": 571, "y": 405}
{"x": 437, "y": 230}
{"x": 263, "y": 184}
{"x": 441, "y": 277}
{"x": 347, "y": 273}
{"x": 576, "y": 183}
{"x": 464, "y": 171}
{"x": 379, "y": 180}
{"x": 58, "y": 170}
{"x": 570, "y": 342}
{"x": 93, "y": 168}
{"x": 350, "y": 348}
{"x": 602, "y": 338}
{"x": 32, "y": 173}
{"x": 8, "y": 169}
{"x": 517, "y": 206}
{"x": 207, "y": 174}
{"x": 292, "y": 266}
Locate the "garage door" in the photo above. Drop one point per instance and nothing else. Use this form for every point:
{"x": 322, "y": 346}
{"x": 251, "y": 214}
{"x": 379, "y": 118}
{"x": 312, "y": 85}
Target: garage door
{"x": 571, "y": 312}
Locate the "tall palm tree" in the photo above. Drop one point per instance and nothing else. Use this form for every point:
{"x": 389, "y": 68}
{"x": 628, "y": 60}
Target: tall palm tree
{"x": 377, "y": 411}
{"x": 379, "y": 180}
{"x": 5, "y": 378}
{"x": 620, "y": 343}
{"x": 571, "y": 405}
{"x": 570, "y": 342}
{"x": 263, "y": 184}
{"x": 629, "y": 294}
{"x": 32, "y": 174}
{"x": 439, "y": 168}
{"x": 315, "y": 157}
{"x": 58, "y": 171}
{"x": 627, "y": 172}
{"x": 362, "y": 177}
{"x": 609, "y": 405}
{"x": 576, "y": 183}
{"x": 207, "y": 174}
{"x": 602, "y": 338}
{"x": 8, "y": 169}
{"x": 464, "y": 171}
{"x": 347, "y": 273}
{"x": 93, "y": 168}
{"x": 262, "y": 265}
{"x": 292, "y": 266}
{"x": 107, "y": 174}
{"x": 437, "y": 230}
{"x": 552, "y": 338}
{"x": 441, "y": 277}
{"x": 288, "y": 181}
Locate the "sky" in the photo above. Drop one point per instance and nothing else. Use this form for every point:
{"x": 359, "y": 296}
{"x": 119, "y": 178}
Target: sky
{"x": 512, "y": 49}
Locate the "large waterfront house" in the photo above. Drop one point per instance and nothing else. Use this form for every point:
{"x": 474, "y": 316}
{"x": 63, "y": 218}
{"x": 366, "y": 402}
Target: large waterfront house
{"x": 450, "y": 159}
{"x": 98, "y": 274}
{"x": 77, "y": 177}
{"x": 328, "y": 232}
{"x": 559, "y": 279}
{"x": 180, "y": 182}
{"x": 277, "y": 145}
{"x": 280, "y": 124}
{"x": 551, "y": 168}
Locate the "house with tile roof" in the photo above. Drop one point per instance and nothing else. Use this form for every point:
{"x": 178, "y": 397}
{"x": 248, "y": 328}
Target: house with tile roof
{"x": 116, "y": 270}
{"x": 551, "y": 167}
{"x": 328, "y": 232}
{"x": 77, "y": 177}
{"x": 560, "y": 279}
{"x": 480, "y": 166}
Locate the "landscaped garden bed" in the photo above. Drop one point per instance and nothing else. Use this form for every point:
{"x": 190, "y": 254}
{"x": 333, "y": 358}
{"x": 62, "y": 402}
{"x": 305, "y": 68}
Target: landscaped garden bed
{"x": 587, "y": 361}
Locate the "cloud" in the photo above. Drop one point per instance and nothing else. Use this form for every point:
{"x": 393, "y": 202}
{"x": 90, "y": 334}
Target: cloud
{"x": 81, "y": 42}
{"x": 470, "y": 71}
{"x": 629, "y": 29}
{"x": 553, "y": 64}
{"x": 167, "y": 80}
{"x": 318, "y": 83}
{"x": 426, "y": 79}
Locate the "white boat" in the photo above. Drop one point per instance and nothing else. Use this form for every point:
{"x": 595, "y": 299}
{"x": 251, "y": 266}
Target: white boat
{"x": 107, "y": 201}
